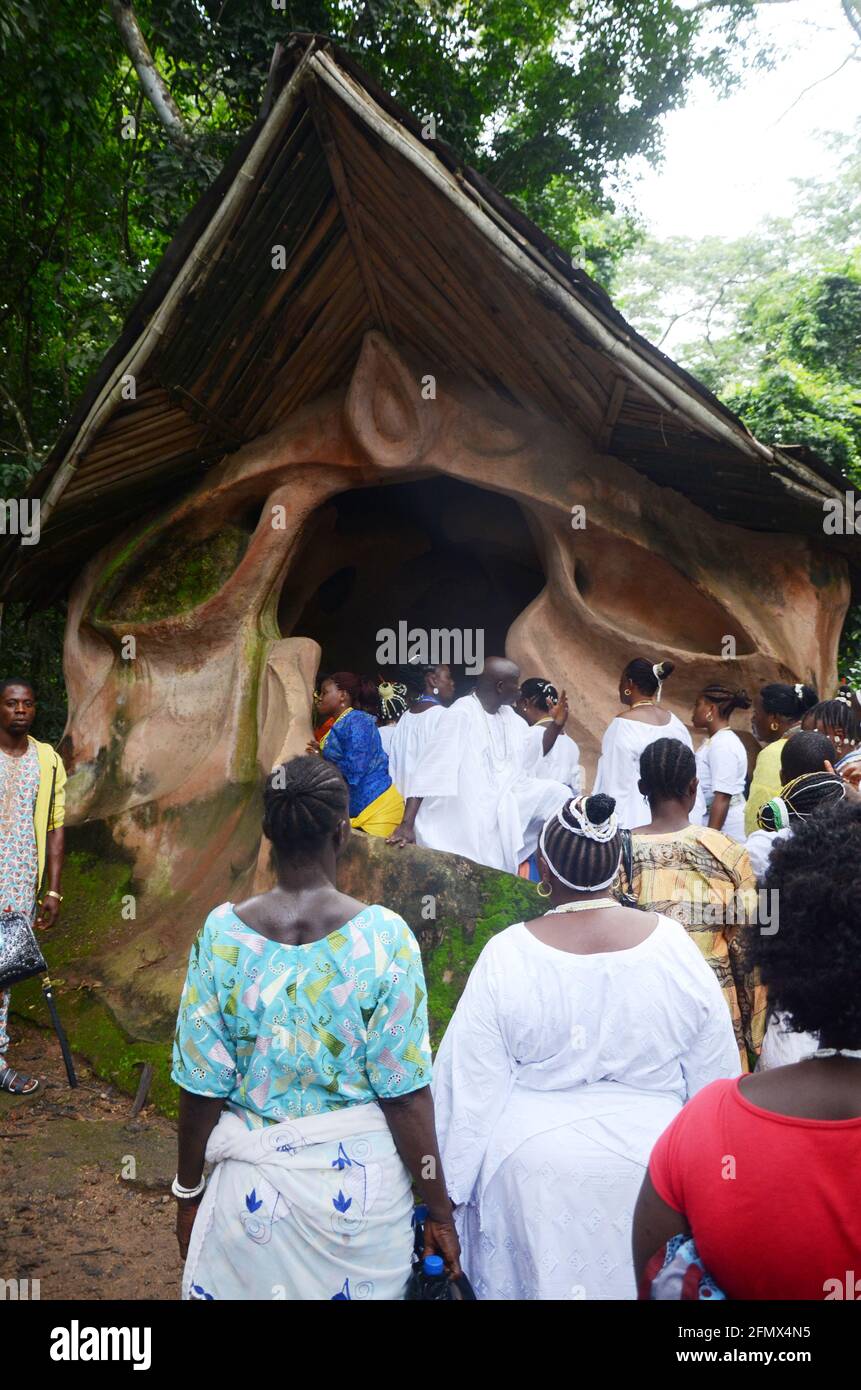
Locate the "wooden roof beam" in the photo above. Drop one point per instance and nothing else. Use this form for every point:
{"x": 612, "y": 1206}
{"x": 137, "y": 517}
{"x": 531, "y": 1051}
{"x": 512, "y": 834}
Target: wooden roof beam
{"x": 611, "y": 414}
{"x": 340, "y": 182}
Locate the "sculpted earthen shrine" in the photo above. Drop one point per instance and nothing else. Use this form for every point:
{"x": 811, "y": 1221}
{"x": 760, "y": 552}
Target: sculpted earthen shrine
{"x": 362, "y": 388}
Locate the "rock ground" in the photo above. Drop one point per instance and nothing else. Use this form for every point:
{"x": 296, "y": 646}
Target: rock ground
{"x": 70, "y": 1219}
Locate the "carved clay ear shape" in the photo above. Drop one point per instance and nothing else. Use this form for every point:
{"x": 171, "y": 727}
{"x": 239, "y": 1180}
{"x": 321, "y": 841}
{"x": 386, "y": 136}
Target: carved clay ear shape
{"x": 385, "y": 410}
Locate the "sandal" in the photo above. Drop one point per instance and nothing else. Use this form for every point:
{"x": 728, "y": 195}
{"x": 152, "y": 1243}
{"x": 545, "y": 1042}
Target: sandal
{"x": 16, "y": 1084}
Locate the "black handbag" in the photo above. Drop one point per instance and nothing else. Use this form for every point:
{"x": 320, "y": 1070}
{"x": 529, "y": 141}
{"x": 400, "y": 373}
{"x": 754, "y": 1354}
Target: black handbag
{"x": 626, "y": 865}
{"x": 20, "y": 954}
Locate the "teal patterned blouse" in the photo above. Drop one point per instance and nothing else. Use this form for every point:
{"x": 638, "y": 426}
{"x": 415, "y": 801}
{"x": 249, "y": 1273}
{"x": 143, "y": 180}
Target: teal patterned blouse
{"x": 285, "y": 1031}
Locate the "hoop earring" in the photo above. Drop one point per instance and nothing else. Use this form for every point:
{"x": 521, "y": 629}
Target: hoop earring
{"x": 436, "y": 690}
{"x": 708, "y": 718}
{"x": 628, "y": 693}
{"x": 774, "y": 727}
{"x": 544, "y": 884}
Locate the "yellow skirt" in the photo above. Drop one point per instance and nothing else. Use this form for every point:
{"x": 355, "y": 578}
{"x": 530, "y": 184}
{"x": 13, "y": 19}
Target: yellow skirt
{"x": 382, "y": 816}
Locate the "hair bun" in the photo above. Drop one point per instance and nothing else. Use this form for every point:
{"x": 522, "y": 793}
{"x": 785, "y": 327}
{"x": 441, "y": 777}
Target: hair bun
{"x": 664, "y": 669}
{"x": 599, "y": 808}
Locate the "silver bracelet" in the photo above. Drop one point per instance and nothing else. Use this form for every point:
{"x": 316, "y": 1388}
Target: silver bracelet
{"x": 186, "y": 1193}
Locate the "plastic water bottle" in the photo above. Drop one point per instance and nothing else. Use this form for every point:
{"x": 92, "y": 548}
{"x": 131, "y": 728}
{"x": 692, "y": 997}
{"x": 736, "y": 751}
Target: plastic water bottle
{"x": 435, "y": 1281}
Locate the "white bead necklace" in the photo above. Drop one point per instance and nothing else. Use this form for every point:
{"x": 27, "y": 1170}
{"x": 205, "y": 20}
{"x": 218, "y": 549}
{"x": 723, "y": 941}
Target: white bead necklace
{"x": 498, "y": 760}
{"x": 582, "y": 906}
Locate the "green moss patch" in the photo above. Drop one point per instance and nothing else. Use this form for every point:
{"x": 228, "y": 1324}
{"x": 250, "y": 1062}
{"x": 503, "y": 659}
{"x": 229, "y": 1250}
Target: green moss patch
{"x": 177, "y": 576}
{"x": 94, "y": 886}
{"x": 506, "y": 899}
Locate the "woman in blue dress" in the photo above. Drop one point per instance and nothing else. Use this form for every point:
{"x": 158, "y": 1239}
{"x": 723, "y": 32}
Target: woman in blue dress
{"x": 353, "y": 743}
{"x": 303, "y": 1057}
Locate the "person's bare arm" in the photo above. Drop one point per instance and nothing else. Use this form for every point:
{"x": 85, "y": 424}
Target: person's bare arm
{"x": 557, "y": 724}
{"x": 55, "y": 848}
{"x": 654, "y": 1224}
{"x": 719, "y": 808}
{"x": 411, "y": 1121}
{"x": 405, "y": 834}
{"x": 198, "y": 1116}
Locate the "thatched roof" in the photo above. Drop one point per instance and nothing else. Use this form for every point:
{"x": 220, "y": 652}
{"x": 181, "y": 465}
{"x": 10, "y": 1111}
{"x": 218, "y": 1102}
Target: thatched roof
{"x": 382, "y": 229}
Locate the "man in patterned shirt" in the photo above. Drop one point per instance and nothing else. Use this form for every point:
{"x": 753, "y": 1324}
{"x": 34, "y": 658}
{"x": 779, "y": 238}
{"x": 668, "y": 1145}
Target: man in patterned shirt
{"x": 32, "y": 809}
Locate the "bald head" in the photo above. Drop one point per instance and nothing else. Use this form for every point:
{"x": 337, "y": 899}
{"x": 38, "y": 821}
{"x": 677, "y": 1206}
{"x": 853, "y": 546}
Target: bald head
{"x": 498, "y": 684}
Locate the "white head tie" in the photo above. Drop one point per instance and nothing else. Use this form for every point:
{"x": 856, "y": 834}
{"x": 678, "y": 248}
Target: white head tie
{"x": 799, "y": 690}
{"x": 656, "y": 672}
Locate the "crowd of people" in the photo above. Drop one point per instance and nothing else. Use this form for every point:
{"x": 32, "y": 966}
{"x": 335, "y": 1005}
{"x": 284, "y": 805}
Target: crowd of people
{"x": 652, "y": 1088}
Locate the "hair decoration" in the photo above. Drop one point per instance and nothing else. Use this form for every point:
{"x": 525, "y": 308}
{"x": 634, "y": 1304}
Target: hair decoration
{"x": 393, "y": 698}
{"x": 779, "y": 815}
{"x": 584, "y": 828}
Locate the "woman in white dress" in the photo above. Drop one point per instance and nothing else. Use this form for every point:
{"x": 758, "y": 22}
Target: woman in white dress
{"x": 538, "y": 700}
{"x": 721, "y": 761}
{"x": 418, "y": 726}
{"x": 626, "y": 736}
{"x": 579, "y": 1035}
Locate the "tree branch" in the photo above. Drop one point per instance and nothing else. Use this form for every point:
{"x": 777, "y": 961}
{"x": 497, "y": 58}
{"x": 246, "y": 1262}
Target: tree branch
{"x": 850, "y": 9}
{"x": 20, "y": 420}
{"x": 850, "y": 57}
{"x": 154, "y": 86}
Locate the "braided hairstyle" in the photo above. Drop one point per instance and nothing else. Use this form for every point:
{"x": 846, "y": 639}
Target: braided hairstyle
{"x": 304, "y": 801}
{"x": 840, "y": 719}
{"x": 540, "y": 692}
{"x": 667, "y": 768}
{"x": 726, "y": 699}
{"x": 805, "y": 752}
{"x": 647, "y": 677}
{"x": 791, "y": 701}
{"x": 582, "y": 844}
{"x": 799, "y": 800}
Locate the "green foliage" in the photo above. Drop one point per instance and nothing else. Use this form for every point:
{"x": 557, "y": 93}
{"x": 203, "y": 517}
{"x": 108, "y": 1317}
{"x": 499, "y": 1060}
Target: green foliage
{"x": 771, "y": 322}
{"x": 549, "y": 100}
{"x": 31, "y": 646}
{"x": 849, "y": 664}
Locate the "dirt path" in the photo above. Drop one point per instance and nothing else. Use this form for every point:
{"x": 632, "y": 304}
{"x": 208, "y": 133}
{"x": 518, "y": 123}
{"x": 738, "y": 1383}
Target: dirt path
{"x": 70, "y": 1218}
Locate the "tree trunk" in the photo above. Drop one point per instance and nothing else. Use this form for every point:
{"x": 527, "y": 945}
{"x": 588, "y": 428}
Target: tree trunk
{"x": 153, "y": 84}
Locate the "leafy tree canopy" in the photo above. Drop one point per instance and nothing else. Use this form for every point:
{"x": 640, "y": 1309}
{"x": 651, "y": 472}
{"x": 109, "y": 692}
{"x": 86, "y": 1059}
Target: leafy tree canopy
{"x": 772, "y": 323}
{"x": 550, "y": 99}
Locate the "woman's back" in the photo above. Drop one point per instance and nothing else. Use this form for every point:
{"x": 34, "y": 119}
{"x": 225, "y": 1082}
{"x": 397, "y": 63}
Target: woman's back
{"x": 646, "y": 1016}
{"x": 772, "y": 1199}
{"x": 287, "y": 1030}
{"x": 703, "y": 880}
{"x": 618, "y": 770}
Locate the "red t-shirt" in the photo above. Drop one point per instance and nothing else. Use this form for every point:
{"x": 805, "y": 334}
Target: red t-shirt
{"x": 773, "y": 1202}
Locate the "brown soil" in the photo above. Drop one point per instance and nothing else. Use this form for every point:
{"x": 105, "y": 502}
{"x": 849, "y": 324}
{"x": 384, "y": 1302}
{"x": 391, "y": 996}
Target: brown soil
{"x": 70, "y": 1218}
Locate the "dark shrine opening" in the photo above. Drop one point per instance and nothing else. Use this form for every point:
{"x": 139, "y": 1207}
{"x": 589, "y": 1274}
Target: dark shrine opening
{"x": 436, "y": 554}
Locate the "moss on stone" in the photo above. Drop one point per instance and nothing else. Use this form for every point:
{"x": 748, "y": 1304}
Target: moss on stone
{"x": 98, "y": 877}
{"x": 447, "y": 964}
{"x": 177, "y": 577}
{"x": 94, "y": 886}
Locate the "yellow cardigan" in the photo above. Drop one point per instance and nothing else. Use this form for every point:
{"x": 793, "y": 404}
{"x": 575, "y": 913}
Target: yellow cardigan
{"x": 49, "y": 812}
{"x": 765, "y": 782}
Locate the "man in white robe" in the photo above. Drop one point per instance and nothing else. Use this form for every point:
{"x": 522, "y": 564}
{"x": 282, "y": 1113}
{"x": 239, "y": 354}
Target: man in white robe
{"x": 474, "y": 792}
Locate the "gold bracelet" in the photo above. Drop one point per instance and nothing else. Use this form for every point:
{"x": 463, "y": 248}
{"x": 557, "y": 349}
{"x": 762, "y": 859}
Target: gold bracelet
{"x": 52, "y": 893}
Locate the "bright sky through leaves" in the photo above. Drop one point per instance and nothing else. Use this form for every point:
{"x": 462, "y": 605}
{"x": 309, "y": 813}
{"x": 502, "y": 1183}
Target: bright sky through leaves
{"x": 731, "y": 162}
